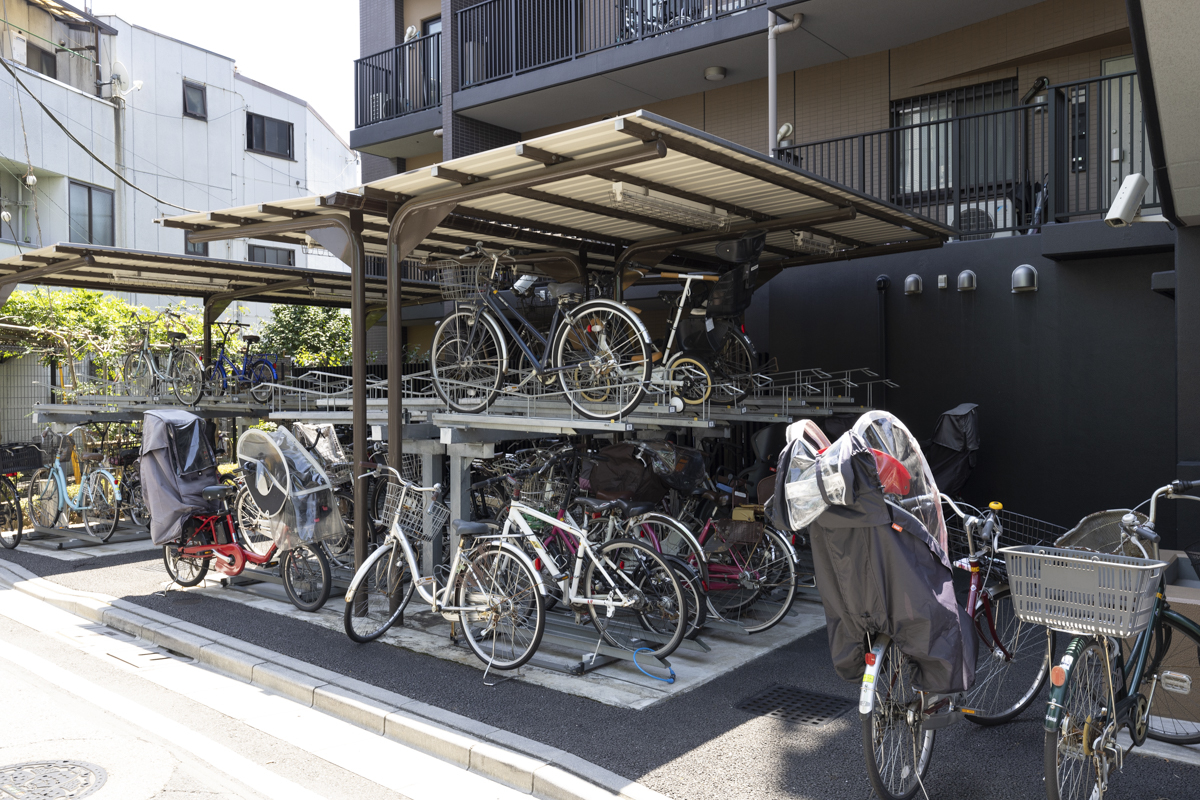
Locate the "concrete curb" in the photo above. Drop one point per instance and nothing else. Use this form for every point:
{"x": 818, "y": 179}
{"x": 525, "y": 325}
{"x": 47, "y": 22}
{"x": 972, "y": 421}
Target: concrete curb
{"x": 523, "y": 764}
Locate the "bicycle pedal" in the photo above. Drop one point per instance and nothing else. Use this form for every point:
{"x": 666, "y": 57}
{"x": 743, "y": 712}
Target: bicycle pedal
{"x": 941, "y": 720}
{"x": 1175, "y": 682}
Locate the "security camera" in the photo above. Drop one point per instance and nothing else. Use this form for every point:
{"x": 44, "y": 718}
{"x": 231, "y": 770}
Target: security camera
{"x": 1125, "y": 205}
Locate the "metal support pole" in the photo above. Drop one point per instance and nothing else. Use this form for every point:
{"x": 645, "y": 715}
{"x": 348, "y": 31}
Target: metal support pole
{"x": 358, "y": 386}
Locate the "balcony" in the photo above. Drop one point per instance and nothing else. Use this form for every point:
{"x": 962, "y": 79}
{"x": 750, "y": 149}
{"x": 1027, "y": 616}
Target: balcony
{"x": 504, "y": 38}
{"x": 1004, "y": 171}
{"x": 398, "y": 82}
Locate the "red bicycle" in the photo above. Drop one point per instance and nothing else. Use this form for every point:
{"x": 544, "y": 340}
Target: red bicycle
{"x": 214, "y": 540}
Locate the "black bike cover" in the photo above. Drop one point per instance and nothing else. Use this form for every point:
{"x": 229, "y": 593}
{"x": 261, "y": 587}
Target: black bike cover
{"x": 955, "y": 447}
{"x": 174, "y": 472}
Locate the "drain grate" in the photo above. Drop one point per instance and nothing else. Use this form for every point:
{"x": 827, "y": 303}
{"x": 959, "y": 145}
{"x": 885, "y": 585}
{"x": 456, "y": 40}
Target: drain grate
{"x": 42, "y": 780}
{"x": 793, "y": 704}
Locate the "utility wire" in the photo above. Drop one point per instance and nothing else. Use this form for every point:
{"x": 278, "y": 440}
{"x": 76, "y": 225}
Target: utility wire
{"x": 84, "y": 147}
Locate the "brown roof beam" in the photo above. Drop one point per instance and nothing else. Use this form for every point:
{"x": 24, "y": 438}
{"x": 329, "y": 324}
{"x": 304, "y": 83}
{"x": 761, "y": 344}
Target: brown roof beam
{"x": 539, "y": 155}
{"x": 280, "y": 211}
{"x": 447, "y": 174}
{"x": 595, "y": 208}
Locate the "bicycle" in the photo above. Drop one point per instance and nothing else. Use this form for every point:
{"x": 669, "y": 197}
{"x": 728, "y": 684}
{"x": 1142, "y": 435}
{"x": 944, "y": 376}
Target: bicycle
{"x": 213, "y": 540}
{"x": 900, "y": 722}
{"x": 598, "y": 350}
{"x": 98, "y": 498}
{"x": 258, "y": 372}
{"x": 12, "y": 519}
{"x": 491, "y": 588}
{"x": 1101, "y": 595}
{"x": 183, "y": 371}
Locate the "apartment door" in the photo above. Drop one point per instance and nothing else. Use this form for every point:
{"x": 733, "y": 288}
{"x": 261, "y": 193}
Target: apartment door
{"x": 1122, "y": 128}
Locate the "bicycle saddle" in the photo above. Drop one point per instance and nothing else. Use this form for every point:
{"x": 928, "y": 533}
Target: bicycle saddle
{"x": 670, "y": 298}
{"x": 250, "y": 338}
{"x": 91, "y": 456}
{"x": 564, "y": 289}
{"x": 468, "y": 530}
{"x": 176, "y": 335}
{"x": 213, "y": 493}
{"x": 624, "y": 507}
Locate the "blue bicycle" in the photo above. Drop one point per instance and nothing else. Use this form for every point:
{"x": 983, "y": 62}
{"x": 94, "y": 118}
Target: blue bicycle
{"x": 256, "y": 371}
{"x": 97, "y": 497}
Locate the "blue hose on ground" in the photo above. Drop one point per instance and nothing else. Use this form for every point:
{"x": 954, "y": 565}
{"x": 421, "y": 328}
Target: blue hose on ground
{"x": 647, "y": 674}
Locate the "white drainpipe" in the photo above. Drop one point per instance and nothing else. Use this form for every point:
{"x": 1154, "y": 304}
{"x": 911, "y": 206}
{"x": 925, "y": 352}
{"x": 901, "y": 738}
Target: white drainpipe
{"x": 773, "y": 31}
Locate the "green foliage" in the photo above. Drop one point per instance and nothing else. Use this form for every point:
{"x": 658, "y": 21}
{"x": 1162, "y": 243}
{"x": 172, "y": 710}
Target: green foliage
{"x": 312, "y": 335}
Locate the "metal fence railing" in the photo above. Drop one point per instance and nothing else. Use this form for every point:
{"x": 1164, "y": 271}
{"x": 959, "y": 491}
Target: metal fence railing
{"x": 986, "y": 173}
{"x": 403, "y": 80}
{"x": 501, "y": 38}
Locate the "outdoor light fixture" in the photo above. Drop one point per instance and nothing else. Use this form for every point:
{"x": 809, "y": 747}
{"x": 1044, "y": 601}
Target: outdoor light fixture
{"x": 714, "y": 74}
{"x": 649, "y": 203}
{"x": 966, "y": 281}
{"x": 814, "y": 244}
{"x": 912, "y": 284}
{"x": 5, "y": 216}
{"x": 1024, "y": 279}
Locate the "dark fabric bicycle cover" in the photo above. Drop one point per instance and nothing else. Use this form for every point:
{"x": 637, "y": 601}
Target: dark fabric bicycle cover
{"x": 171, "y": 498}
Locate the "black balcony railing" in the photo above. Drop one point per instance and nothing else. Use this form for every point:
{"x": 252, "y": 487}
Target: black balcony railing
{"x": 987, "y": 173}
{"x": 403, "y": 80}
{"x": 501, "y": 38}
{"x": 410, "y": 270}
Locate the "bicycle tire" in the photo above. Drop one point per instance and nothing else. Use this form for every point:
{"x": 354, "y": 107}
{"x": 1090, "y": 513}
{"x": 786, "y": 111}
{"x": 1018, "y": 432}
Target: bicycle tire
{"x": 1085, "y": 697}
{"x": 734, "y": 361}
{"x": 1008, "y": 667}
{"x": 501, "y": 636}
{"x": 261, "y": 375}
{"x": 252, "y": 530}
{"x": 753, "y": 587}
{"x": 693, "y": 595}
{"x": 137, "y": 375}
{"x": 643, "y": 576}
{"x": 887, "y": 731}
{"x": 1174, "y": 649}
{"x": 693, "y": 373}
{"x": 383, "y": 576}
{"x": 12, "y": 520}
{"x": 340, "y": 549}
{"x": 45, "y": 501}
{"x": 102, "y": 509}
{"x": 216, "y": 382}
{"x": 468, "y": 360}
{"x": 139, "y": 514}
{"x": 197, "y": 568}
{"x": 306, "y": 577}
{"x": 673, "y": 537}
{"x": 602, "y": 379}
{"x": 187, "y": 378}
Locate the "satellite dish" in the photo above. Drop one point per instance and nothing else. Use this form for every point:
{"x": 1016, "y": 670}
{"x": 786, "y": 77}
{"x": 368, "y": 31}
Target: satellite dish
{"x": 123, "y": 84}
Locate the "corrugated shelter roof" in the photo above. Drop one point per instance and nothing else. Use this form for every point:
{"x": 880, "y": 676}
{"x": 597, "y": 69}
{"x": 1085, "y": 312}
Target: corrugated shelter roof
{"x": 689, "y": 191}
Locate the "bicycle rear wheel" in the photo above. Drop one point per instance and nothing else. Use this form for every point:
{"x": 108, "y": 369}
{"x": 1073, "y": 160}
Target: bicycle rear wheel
{"x": 384, "y": 587}
{"x": 735, "y": 367}
{"x": 504, "y": 613}
{"x": 187, "y": 570}
{"x": 1070, "y": 762}
{"x": 11, "y": 518}
{"x": 45, "y": 501}
{"x": 102, "y": 507}
{"x": 897, "y": 751}
{"x": 1012, "y": 666}
{"x": 656, "y": 618}
{"x": 306, "y": 577}
{"x": 1175, "y": 717}
{"x": 135, "y": 502}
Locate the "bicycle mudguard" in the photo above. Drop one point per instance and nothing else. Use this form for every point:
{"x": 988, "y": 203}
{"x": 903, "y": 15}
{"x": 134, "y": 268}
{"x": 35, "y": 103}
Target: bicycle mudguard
{"x": 693, "y": 542}
{"x": 874, "y": 658}
{"x": 1058, "y": 694}
{"x": 582, "y": 308}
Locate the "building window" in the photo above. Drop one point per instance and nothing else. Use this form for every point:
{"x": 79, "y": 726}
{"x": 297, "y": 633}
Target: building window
{"x": 42, "y": 61}
{"x": 272, "y": 137}
{"x": 280, "y": 256}
{"x": 196, "y": 249}
{"x": 195, "y": 100}
{"x": 431, "y": 25}
{"x": 91, "y": 215}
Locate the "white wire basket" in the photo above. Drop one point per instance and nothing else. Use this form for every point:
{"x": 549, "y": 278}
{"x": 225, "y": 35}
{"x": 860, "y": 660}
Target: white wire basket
{"x": 548, "y": 492}
{"x": 1081, "y": 592}
{"x": 461, "y": 281}
{"x": 417, "y": 517}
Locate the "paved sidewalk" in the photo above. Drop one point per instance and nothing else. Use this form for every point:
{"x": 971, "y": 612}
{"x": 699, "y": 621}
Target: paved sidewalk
{"x": 696, "y": 745}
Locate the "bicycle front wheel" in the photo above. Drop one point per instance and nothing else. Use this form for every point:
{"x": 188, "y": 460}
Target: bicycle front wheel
{"x": 253, "y": 530}
{"x": 1175, "y": 717}
{"x": 750, "y": 583}
{"x": 187, "y": 377}
{"x": 45, "y": 501}
{"x": 216, "y": 384}
{"x": 1013, "y": 663}
{"x": 735, "y": 366}
{"x": 503, "y": 613}
{"x": 134, "y": 498}
{"x": 261, "y": 376}
{"x": 306, "y": 577}
{"x": 384, "y": 587}
{"x": 102, "y": 507}
{"x": 637, "y": 601}
{"x": 11, "y": 518}
{"x": 897, "y": 751}
{"x": 467, "y": 360}
{"x": 137, "y": 376}
{"x": 1070, "y": 759}
{"x": 603, "y": 357}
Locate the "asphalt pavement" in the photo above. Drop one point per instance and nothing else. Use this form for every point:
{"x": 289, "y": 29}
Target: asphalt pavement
{"x": 695, "y": 745}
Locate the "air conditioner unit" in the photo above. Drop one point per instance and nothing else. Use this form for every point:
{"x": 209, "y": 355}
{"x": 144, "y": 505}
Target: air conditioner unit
{"x": 380, "y": 102}
{"x": 18, "y": 47}
{"x": 984, "y": 219}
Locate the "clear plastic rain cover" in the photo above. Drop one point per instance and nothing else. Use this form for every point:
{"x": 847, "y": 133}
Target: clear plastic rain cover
{"x": 306, "y": 512}
{"x": 800, "y": 489}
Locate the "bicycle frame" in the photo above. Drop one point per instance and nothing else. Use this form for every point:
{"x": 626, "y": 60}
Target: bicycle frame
{"x": 228, "y": 557}
{"x": 85, "y": 483}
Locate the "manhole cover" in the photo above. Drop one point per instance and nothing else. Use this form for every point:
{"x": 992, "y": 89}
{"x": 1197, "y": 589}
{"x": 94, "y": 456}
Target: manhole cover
{"x": 792, "y": 704}
{"x": 42, "y": 780}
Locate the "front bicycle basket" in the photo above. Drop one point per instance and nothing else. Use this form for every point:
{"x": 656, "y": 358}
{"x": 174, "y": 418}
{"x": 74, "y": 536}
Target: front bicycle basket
{"x": 548, "y": 492}
{"x": 1080, "y": 592}
{"x": 1015, "y": 529}
{"x": 56, "y": 447}
{"x": 406, "y": 506}
{"x": 1101, "y": 532}
{"x": 734, "y": 534}
{"x": 460, "y": 281}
